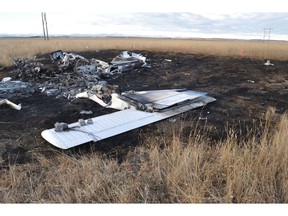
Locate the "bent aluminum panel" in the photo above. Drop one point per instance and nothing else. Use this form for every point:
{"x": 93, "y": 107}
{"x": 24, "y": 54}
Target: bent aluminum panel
{"x": 146, "y": 97}
{"x": 163, "y": 98}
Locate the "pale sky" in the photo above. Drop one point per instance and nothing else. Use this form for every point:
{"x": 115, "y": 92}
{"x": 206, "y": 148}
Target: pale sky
{"x": 176, "y": 18}
{"x": 194, "y": 6}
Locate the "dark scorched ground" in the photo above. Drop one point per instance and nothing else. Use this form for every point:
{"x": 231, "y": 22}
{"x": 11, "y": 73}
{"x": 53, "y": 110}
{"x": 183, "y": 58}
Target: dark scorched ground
{"x": 244, "y": 89}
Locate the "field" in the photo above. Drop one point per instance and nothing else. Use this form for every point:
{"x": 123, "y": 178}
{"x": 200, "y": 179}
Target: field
{"x": 231, "y": 151}
{"x": 27, "y": 48}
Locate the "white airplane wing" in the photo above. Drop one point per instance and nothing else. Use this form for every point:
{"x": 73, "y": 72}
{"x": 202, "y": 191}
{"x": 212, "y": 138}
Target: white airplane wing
{"x": 115, "y": 123}
{"x": 103, "y": 127}
{"x": 109, "y": 125}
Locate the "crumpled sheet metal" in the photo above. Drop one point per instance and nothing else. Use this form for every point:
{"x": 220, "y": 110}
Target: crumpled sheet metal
{"x": 64, "y": 59}
{"x": 130, "y": 57}
{"x": 129, "y": 60}
{"x": 150, "y": 101}
{"x": 122, "y": 62}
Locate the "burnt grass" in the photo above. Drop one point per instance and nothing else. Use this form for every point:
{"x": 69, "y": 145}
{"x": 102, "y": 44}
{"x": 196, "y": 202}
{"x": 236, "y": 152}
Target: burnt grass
{"x": 244, "y": 89}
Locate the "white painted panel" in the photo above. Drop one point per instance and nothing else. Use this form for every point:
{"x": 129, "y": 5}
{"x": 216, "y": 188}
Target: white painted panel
{"x": 179, "y": 97}
{"x": 145, "y": 97}
{"x": 103, "y": 127}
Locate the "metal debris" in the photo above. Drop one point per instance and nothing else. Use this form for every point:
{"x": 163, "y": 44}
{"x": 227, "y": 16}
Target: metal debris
{"x": 90, "y": 72}
{"x": 66, "y": 60}
{"x": 6, "y": 79}
{"x": 15, "y": 88}
{"x": 149, "y": 101}
{"x": 73, "y": 73}
{"x": 129, "y": 60}
{"x": 11, "y": 104}
{"x": 268, "y": 63}
{"x": 60, "y": 126}
{"x": 86, "y": 112}
{"x": 10, "y": 88}
{"x": 122, "y": 62}
{"x": 25, "y": 65}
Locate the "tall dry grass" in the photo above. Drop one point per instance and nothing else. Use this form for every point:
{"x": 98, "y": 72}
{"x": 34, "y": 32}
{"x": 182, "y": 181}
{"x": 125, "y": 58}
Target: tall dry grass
{"x": 27, "y": 48}
{"x": 166, "y": 168}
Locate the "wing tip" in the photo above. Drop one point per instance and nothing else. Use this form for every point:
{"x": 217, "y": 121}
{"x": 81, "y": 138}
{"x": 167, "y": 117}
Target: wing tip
{"x": 46, "y": 134}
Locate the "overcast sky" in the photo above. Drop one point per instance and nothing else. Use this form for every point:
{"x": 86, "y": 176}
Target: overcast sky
{"x": 162, "y": 18}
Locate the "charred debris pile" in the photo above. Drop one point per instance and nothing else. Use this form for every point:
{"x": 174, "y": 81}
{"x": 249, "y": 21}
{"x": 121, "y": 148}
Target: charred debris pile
{"x": 73, "y": 74}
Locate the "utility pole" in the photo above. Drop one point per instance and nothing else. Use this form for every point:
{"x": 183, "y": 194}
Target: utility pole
{"x": 45, "y": 26}
{"x": 44, "y": 34}
{"x": 47, "y": 36}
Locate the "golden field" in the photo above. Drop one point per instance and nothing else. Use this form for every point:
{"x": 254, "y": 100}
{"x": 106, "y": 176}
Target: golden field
{"x": 28, "y": 47}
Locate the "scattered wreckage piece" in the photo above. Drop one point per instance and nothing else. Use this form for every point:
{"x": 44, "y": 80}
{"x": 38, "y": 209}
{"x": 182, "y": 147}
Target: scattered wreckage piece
{"x": 129, "y": 60}
{"x": 76, "y": 73}
{"x": 29, "y": 70}
{"x": 28, "y": 65}
{"x": 66, "y": 60}
{"x": 6, "y": 79}
{"x": 9, "y": 87}
{"x": 11, "y": 104}
{"x": 137, "y": 109}
{"x": 101, "y": 93}
{"x": 122, "y": 62}
{"x": 268, "y": 63}
{"x": 127, "y": 56}
{"x": 98, "y": 68}
{"x": 141, "y": 100}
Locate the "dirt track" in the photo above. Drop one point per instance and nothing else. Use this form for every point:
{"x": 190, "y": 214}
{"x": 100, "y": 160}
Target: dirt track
{"x": 244, "y": 89}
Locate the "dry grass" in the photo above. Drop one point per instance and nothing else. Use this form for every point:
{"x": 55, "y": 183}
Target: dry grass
{"x": 164, "y": 169}
{"x": 27, "y": 48}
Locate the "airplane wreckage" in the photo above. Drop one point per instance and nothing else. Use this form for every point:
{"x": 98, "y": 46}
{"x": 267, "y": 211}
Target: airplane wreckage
{"x": 136, "y": 108}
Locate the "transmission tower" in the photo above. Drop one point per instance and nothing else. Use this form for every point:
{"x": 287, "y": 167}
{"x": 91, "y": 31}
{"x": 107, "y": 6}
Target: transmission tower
{"x": 266, "y": 34}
